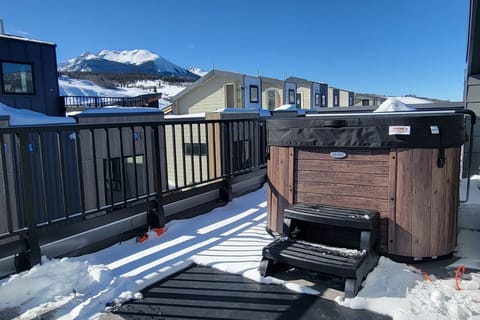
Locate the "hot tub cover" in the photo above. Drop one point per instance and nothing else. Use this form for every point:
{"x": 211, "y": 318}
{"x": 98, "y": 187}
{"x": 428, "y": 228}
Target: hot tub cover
{"x": 405, "y": 130}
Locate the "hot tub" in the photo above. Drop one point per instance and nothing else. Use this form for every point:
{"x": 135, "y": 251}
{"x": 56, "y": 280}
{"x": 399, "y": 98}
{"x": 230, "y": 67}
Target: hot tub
{"x": 403, "y": 165}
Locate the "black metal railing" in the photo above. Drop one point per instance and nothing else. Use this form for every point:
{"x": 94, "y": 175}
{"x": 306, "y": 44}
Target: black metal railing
{"x": 56, "y": 181}
{"x": 100, "y": 102}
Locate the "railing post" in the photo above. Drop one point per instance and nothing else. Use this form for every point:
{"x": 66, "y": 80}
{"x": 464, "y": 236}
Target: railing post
{"x": 156, "y": 214}
{"x": 226, "y": 192}
{"x": 26, "y": 150}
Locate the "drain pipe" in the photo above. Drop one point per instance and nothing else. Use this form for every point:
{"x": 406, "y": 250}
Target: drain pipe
{"x": 473, "y": 119}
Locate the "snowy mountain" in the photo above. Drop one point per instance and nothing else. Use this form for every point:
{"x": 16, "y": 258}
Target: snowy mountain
{"x": 196, "y": 70}
{"x": 128, "y": 61}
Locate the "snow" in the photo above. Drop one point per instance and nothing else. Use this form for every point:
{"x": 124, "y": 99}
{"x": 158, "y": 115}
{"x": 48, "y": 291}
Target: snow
{"x": 231, "y": 239}
{"x": 183, "y": 116}
{"x": 115, "y": 110}
{"x": 78, "y": 87}
{"x": 23, "y": 117}
{"x": 290, "y": 107}
{"x": 132, "y": 61}
{"x": 412, "y": 100}
{"x": 196, "y": 70}
{"x": 393, "y": 105}
{"x": 10, "y": 36}
{"x": 137, "y": 56}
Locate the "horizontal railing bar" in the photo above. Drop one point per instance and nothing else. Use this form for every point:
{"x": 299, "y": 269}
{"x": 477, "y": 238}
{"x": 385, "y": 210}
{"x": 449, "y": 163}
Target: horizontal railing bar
{"x": 79, "y": 127}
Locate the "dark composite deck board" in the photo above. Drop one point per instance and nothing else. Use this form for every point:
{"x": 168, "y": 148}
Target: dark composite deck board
{"x": 167, "y": 299}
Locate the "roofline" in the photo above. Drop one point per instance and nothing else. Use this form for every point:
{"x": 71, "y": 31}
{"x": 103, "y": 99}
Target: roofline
{"x": 14, "y": 37}
{"x": 336, "y": 88}
{"x": 296, "y": 79}
{"x": 205, "y": 78}
{"x": 271, "y": 79}
{"x": 216, "y": 72}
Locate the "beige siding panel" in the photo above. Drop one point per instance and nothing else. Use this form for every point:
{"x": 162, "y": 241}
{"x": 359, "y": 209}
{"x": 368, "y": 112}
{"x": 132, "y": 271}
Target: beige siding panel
{"x": 209, "y": 96}
{"x": 184, "y": 170}
{"x": 305, "y": 91}
{"x": 270, "y": 85}
{"x": 330, "y": 97}
{"x": 343, "y": 98}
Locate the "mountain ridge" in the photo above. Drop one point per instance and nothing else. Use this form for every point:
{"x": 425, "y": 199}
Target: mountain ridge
{"x": 136, "y": 61}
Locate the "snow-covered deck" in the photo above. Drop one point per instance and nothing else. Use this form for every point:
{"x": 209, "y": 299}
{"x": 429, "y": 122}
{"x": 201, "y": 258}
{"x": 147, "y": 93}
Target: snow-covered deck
{"x": 231, "y": 239}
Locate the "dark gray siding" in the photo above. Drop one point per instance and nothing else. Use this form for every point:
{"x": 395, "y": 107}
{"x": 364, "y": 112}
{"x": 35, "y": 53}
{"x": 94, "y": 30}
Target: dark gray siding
{"x": 336, "y": 97}
{"x": 43, "y": 58}
{"x": 323, "y": 92}
{"x": 351, "y": 99}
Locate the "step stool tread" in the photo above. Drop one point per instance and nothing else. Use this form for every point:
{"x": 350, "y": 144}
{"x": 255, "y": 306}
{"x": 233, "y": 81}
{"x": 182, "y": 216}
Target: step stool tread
{"x": 344, "y": 217}
{"x": 315, "y": 257}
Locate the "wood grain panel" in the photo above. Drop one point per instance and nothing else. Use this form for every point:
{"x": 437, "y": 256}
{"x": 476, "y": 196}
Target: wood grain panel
{"x": 356, "y": 166}
{"x": 343, "y": 201}
{"x": 280, "y": 170}
{"x": 404, "y": 197}
{"x": 439, "y": 223}
{"x": 352, "y": 154}
{"x": 364, "y": 179}
{"x": 453, "y": 172}
{"x": 371, "y": 192}
{"x": 421, "y": 205}
{"x": 392, "y": 190}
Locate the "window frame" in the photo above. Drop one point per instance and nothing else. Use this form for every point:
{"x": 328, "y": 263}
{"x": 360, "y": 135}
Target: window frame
{"x": 2, "y": 79}
{"x": 271, "y": 93}
{"x": 225, "y": 90}
{"x": 292, "y": 97}
{"x": 250, "y": 87}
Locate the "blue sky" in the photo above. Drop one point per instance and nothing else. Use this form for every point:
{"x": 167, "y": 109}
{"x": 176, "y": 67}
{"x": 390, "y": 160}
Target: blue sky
{"x": 376, "y": 46}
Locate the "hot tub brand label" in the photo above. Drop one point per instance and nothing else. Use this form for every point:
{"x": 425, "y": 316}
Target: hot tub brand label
{"x": 403, "y": 130}
{"x": 338, "y": 154}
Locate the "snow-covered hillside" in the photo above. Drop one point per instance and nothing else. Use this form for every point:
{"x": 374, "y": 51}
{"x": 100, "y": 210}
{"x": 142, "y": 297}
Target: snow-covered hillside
{"x": 127, "y": 61}
{"x": 79, "y": 87}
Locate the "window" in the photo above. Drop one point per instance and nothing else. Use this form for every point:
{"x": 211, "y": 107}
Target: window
{"x": 365, "y": 102}
{"x": 241, "y": 155}
{"x": 299, "y": 100}
{"x": 133, "y": 178}
{"x": 253, "y": 94}
{"x": 335, "y": 101}
{"x": 229, "y": 95}
{"x": 114, "y": 175}
{"x": 271, "y": 99}
{"x": 324, "y": 100}
{"x": 195, "y": 149}
{"x": 291, "y": 96}
{"x": 317, "y": 99}
{"x": 17, "y": 78}
{"x": 350, "y": 101}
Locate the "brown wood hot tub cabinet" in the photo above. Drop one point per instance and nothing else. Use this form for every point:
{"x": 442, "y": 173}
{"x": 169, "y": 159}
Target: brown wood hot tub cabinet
{"x": 417, "y": 200}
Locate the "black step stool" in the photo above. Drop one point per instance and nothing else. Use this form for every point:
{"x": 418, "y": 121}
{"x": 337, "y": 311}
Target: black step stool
{"x": 331, "y": 240}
